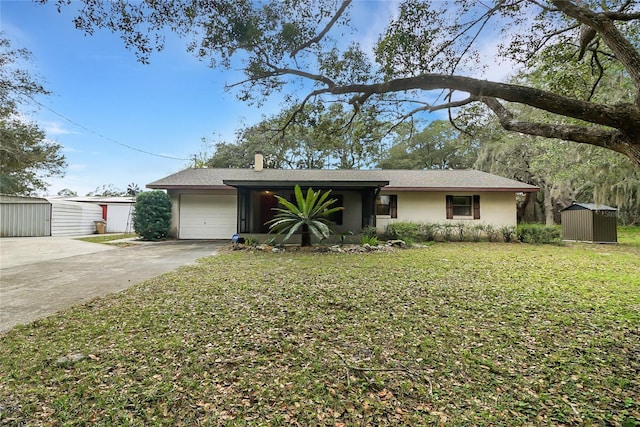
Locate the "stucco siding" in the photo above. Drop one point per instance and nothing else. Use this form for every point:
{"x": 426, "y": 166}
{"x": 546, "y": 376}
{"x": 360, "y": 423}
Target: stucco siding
{"x": 496, "y": 208}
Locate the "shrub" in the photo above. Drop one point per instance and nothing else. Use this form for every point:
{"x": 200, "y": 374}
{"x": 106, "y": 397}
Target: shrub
{"x": 407, "y": 231}
{"x": 251, "y": 241}
{"x": 370, "y": 231}
{"x": 447, "y": 231}
{"x": 428, "y": 231}
{"x": 369, "y": 240}
{"x": 461, "y": 229}
{"x": 309, "y": 214}
{"x": 508, "y": 233}
{"x": 475, "y": 231}
{"x": 152, "y": 216}
{"x": 538, "y": 233}
{"x": 491, "y": 232}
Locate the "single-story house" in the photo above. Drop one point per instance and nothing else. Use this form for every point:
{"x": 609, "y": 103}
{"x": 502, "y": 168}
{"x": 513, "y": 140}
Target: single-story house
{"x": 217, "y": 203}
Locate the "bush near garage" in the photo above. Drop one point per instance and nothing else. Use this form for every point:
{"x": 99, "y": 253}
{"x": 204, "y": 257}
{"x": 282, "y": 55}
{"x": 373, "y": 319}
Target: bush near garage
{"x": 152, "y": 217}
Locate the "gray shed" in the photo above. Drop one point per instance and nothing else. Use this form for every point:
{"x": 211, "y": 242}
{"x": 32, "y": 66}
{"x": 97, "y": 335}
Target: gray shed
{"x": 589, "y": 222}
{"x": 24, "y": 216}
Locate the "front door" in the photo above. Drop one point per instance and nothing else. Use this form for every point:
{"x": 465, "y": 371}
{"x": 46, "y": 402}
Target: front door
{"x": 267, "y": 203}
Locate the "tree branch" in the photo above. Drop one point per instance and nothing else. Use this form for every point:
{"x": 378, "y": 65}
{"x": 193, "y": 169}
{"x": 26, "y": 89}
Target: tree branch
{"x": 622, "y": 116}
{"x": 322, "y": 33}
{"x": 621, "y": 16}
{"x": 611, "y": 139}
{"x": 625, "y": 52}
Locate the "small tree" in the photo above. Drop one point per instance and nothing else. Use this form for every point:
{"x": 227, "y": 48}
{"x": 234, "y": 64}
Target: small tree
{"x": 152, "y": 217}
{"x": 309, "y": 214}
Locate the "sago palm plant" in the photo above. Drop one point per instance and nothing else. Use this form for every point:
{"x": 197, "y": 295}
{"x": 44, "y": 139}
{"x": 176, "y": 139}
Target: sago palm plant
{"x": 308, "y": 214}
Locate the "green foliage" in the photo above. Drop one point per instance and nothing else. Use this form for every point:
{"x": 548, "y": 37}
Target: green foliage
{"x": 369, "y": 240}
{"x": 152, "y": 216}
{"x": 109, "y": 190}
{"x": 344, "y": 236}
{"x": 446, "y": 231}
{"x": 629, "y": 235}
{"x": 492, "y": 233}
{"x": 251, "y": 241}
{"x": 314, "y": 133}
{"x": 437, "y": 146}
{"x": 309, "y": 215}
{"x": 27, "y": 158}
{"x": 508, "y": 233}
{"x": 476, "y": 230}
{"x": 369, "y": 231}
{"x": 403, "y": 230}
{"x": 538, "y": 234}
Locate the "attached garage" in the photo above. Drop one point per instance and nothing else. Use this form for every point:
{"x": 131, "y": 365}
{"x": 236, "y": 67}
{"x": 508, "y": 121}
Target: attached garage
{"x": 207, "y": 216}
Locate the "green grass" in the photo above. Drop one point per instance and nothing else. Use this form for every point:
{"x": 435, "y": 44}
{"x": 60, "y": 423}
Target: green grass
{"x": 629, "y": 235}
{"x": 453, "y": 334}
{"x": 106, "y": 238}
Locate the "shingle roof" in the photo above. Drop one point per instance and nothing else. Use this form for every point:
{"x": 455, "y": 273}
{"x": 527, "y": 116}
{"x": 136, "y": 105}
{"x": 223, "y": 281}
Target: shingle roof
{"x": 399, "y": 180}
{"x": 589, "y": 206}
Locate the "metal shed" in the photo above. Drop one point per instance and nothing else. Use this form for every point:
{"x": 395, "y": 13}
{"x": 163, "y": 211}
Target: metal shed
{"x": 589, "y": 222}
{"x": 73, "y": 218}
{"x": 24, "y": 216}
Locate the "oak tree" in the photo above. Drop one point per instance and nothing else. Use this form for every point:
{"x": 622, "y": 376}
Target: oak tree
{"x": 425, "y": 47}
{"x": 27, "y": 158}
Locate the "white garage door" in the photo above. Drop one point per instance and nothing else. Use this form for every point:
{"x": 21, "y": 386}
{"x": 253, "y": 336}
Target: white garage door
{"x": 207, "y": 217}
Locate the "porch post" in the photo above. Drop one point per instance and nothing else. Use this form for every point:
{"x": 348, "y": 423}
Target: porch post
{"x": 244, "y": 209}
{"x": 369, "y": 207}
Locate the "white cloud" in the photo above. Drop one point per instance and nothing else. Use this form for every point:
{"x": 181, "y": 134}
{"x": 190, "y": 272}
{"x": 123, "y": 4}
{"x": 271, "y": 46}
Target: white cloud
{"x": 54, "y": 128}
{"x": 76, "y": 167}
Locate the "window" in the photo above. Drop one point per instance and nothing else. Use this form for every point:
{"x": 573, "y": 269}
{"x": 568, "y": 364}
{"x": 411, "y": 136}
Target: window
{"x": 387, "y": 205}
{"x": 463, "y": 206}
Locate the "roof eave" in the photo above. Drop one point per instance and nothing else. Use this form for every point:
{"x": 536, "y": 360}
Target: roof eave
{"x": 465, "y": 189}
{"x": 307, "y": 183}
{"x": 188, "y": 187}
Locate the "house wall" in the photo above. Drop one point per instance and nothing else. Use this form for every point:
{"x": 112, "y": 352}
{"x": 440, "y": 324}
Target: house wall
{"x": 496, "y": 208}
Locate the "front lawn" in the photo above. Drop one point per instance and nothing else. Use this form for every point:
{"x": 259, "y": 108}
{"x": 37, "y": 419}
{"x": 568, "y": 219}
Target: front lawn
{"x": 453, "y": 334}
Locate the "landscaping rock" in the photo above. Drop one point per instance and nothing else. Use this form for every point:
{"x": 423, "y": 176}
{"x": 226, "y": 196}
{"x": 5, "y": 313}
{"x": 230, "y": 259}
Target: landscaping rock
{"x": 396, "y": 243}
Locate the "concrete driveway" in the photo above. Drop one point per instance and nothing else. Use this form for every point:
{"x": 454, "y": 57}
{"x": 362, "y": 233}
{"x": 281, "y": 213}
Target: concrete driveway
{"x": 42, "y": 275}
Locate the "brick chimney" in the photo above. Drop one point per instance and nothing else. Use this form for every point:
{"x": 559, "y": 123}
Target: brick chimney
{"x": 258, "y": 163}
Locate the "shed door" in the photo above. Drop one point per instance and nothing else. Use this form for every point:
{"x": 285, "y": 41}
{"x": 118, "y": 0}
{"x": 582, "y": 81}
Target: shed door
{"x": 25, "y": 219}
{"x": 207, "y": 217}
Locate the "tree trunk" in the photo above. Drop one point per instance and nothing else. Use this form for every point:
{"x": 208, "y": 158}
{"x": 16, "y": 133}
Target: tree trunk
{"x": 548, "y": 206}
{"x": 306, "y": 236}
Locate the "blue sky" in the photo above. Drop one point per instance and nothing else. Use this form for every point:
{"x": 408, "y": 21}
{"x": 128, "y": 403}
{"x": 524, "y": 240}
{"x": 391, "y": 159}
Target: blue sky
{"x": 103, "y": 98}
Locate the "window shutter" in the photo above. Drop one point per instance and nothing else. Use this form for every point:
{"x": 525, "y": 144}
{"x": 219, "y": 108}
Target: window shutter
{"x": 449, "y": 207}
{"x": 476, "y": 206}
{"x": 393, "y": 206}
